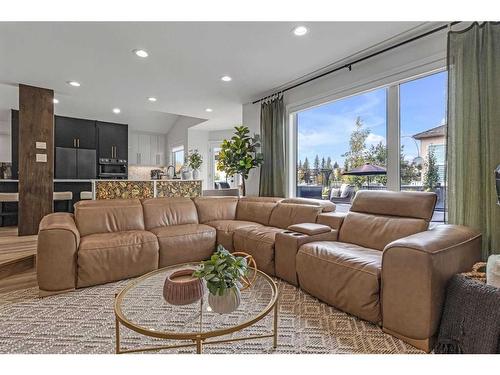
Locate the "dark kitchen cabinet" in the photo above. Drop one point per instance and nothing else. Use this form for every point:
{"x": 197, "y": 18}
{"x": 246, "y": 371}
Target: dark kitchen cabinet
{"x": 112, "y": 140}
{"x": 75, "y": 163}
{"x": 74, "y": 132}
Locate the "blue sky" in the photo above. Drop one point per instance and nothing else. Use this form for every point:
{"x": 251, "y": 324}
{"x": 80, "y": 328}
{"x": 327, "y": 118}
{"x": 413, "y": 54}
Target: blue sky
{"x": 325, "y": 130}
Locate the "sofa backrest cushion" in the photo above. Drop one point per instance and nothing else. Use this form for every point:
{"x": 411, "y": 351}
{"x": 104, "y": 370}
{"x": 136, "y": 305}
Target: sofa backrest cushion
{"x": 325, "y": 205}
{"x": 286, "y": 214}
{"x": 256, "y": 209}
{"x": 161, "y": 212}
{"x": 377, "y": 231}
{"x": 419, "y": 205}
{"x": 216, "y": 208}
{"x": 104, "y": 216}
{"x": 377, "y": 218}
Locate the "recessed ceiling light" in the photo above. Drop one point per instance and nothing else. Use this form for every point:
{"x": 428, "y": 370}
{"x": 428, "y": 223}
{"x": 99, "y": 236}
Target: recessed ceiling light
{"x": 209, "y": 110}
{"x": 141, "y": 53}
{"x": 152, "y": 99}
{"x": 116, "y": 110}
{"x": 226, "y": 78}
{"x": 74, "y": 83}
{"x": 55, "y": 101}
{"x": 300, "y": 30}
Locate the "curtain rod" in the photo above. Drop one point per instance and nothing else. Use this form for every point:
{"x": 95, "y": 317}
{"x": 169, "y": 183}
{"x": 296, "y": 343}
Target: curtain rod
{"x": 350, "y": 64}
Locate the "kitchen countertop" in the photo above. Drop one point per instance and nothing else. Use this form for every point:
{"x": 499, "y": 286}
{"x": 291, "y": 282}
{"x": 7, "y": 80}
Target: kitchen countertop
{"x": 56, "y": 180}
{"x": 83, "y": 181}
{"x": 136, "y": 179}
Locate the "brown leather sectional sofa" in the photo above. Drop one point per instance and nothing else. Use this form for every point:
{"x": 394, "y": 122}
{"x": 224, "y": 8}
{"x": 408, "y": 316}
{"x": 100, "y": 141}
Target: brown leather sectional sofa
{"x": 379, "y": 261}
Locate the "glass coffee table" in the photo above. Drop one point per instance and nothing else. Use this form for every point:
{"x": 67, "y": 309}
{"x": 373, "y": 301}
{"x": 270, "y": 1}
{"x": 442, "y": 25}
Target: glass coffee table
{"x": 140, "y": 306}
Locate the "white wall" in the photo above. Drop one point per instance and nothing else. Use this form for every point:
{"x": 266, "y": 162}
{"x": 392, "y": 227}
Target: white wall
{"x": 220, "y": 135}
{"x": 419, "y": 57}
{"x": 5, "y": 137}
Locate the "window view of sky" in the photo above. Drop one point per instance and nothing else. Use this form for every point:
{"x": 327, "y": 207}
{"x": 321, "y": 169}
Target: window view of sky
{"x": 325, "y": 130}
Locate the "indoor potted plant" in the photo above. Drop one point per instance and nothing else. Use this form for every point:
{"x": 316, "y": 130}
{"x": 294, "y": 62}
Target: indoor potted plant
{"x": 185, "y": 171}
{"x": 222, "y": 273}
{"x": 240, "y": 154}
{"x": 195, "y": 161}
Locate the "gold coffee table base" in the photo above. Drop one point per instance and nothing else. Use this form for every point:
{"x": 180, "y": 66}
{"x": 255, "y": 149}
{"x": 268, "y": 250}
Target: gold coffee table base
{"x": 198, "y": 342}
{"x": 195, "y": 339}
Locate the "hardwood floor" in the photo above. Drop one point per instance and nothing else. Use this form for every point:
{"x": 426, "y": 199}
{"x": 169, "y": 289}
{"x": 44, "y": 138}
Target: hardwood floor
{"x": 17, "y": 260}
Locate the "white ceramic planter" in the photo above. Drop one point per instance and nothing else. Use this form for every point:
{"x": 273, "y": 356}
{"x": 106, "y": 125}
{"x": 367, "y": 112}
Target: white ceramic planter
{"x": 226, "y": 303}
{"x": 186, "y": 175}
{"x": 196, "y": 174}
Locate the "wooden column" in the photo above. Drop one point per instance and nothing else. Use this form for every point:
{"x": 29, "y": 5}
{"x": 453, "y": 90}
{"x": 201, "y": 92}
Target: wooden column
{"x": 36, "y": 178}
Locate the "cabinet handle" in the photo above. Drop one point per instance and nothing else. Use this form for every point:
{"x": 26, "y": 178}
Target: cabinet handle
{"x": 112, "y": 152}
{"x": 78, "y": 142}
{"x": 74, "y": 142}
{"x": 137, "y": 158}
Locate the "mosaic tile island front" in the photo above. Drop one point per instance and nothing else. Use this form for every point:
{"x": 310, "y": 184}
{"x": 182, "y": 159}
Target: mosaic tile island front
{"x": 126, "y": 189}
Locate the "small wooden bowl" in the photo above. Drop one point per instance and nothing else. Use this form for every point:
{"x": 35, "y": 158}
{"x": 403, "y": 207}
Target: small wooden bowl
{"x": 181, "y": 288}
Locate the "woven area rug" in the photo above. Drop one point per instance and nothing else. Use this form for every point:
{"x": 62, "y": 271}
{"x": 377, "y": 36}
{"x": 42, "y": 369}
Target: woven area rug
{"x": 83, "y": 322}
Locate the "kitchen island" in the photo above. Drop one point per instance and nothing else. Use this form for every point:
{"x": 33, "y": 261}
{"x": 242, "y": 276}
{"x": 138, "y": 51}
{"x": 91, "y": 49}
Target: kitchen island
{"x": 124, "y": 189}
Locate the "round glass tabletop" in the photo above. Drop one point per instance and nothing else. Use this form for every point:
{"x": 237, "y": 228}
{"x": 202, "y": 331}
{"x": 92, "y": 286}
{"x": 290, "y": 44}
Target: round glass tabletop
{"x": 142, "y": 308}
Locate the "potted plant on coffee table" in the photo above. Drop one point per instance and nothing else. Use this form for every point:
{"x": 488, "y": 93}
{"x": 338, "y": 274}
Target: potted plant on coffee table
{"x": 222, "y": 273}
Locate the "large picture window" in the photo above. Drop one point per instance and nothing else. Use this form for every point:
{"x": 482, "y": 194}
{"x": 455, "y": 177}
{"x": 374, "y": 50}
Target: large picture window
{"x": 342, "y": 146}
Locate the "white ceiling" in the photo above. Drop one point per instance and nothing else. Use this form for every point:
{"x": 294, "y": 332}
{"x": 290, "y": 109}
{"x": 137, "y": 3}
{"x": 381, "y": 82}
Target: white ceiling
{"x": 183, "y": 69}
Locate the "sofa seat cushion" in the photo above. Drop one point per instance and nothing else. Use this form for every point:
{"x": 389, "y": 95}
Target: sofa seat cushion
{"x": 258, "y": 242}
{"x": 185, "y": 243}
{"x": 344, "y": 275}
{"x": 106, "y": 257}
{"x": 226, "y": 228}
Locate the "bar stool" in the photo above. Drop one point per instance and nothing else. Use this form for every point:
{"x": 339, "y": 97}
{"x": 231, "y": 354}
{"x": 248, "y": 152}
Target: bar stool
{"x": 85, "y": 195}
{"x": 4, "y": 198}
{"x": 64, "y": 196}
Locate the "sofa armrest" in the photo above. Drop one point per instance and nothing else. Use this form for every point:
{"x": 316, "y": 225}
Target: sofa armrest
{"x": 57, "y": 248}
{"x": 287, "y": 245}
{"x": 415, "y": 272}
{"x": 332, "y": 219}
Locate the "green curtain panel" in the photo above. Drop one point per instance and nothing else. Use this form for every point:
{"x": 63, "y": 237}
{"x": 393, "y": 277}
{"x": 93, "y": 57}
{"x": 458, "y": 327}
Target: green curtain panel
{"x": 272, "y": 130}
{"x": 474, "y": 130}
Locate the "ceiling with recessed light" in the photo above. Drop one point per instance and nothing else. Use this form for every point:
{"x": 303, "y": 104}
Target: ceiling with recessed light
{"x": 184, "y": 68}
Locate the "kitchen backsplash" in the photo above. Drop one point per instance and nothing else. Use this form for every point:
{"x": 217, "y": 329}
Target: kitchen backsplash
{"x": 136, "y": 172}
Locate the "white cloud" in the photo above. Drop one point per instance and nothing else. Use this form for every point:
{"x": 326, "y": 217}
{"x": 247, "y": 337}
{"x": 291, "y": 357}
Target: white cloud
{"x": 375, "y": 139}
